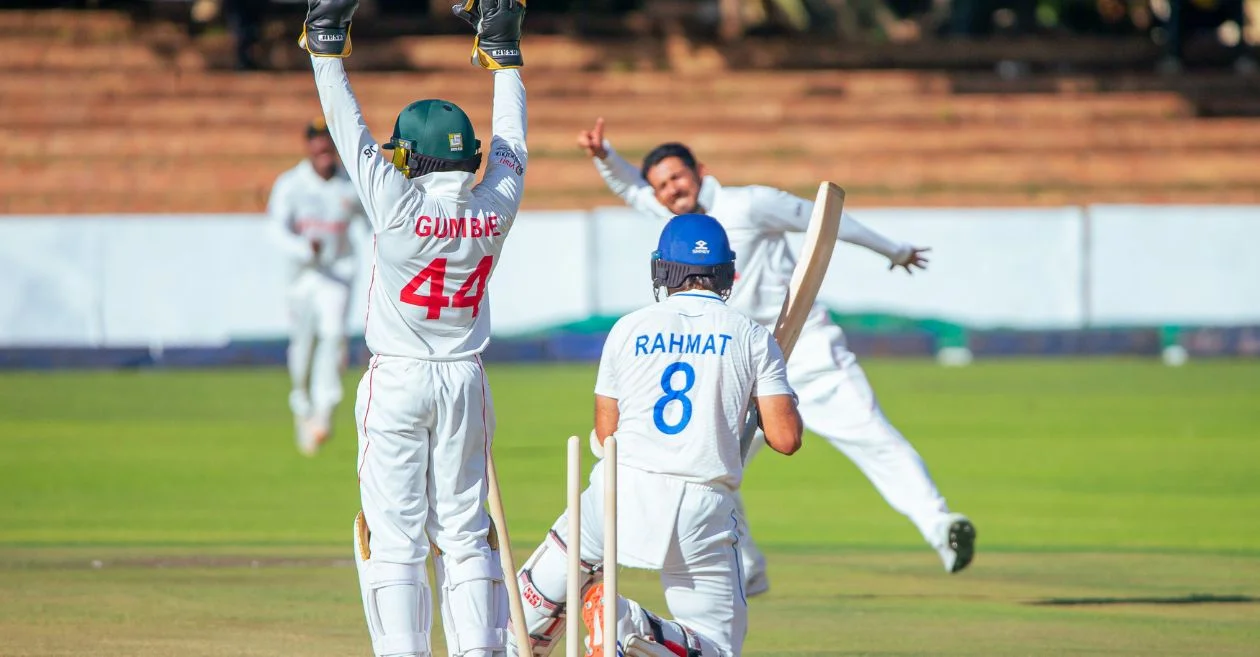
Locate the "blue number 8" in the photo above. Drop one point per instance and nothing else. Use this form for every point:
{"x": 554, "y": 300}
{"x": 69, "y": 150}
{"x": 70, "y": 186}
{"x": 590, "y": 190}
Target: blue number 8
{"x": 674, "y": 394}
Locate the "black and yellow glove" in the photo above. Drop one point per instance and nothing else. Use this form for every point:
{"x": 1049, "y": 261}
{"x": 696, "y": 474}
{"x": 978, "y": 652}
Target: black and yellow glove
{"x": 498, "y": 23}
{"x": 326, "y": 32}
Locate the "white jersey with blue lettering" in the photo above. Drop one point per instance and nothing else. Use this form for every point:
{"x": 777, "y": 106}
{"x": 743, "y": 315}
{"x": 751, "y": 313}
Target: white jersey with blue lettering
{"x": 438, "y": 236}
{"x": 682, "y": 372}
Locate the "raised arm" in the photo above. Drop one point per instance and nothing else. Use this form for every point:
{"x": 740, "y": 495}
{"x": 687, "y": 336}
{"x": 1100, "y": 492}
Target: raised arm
{"x": 326, "y": 35}
{"x": 379, "y": 183}
{"x": 505, "y": 173}
{"x": 498, "y": 48}
{"x": 620, "y": 176}
{"x": 777, "y": 210}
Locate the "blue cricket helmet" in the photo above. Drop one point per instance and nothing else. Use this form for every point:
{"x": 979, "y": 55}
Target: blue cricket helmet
{"x": 693, "y": 245}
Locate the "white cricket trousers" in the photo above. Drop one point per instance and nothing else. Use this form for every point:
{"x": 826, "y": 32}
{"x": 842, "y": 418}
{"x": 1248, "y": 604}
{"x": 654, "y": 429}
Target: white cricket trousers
{"x": 701, "y": 572}
{"x": 837, "y": 402}
{"x": 317, "y": 344}
{"x": 424, "y": 431}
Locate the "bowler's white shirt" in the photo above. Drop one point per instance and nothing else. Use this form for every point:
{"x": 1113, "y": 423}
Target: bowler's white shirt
{"x": 757, "y": 220}
{"x": 304, "y": 208}
{"x": 683, "y": 372}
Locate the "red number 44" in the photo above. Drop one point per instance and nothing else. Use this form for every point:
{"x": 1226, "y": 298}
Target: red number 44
{"x": 435, "y": 300}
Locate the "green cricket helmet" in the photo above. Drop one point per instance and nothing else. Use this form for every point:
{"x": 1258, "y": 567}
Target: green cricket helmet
{"x": 434, "y": 135}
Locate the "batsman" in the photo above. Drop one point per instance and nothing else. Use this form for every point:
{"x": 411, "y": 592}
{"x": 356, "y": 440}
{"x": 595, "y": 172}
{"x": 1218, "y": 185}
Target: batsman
{"x": 424, "y": 413}
{"x": 675, "y": 381}
{"x": 836, "y": 399}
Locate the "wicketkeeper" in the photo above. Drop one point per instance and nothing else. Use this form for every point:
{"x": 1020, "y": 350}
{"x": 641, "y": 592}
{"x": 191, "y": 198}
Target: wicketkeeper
{"x": 424, "y": 412}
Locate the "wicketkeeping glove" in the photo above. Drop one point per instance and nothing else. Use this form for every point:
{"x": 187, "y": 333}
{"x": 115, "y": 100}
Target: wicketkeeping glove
{"x": 498, "y": 24}
{"x": 326, "y": 32}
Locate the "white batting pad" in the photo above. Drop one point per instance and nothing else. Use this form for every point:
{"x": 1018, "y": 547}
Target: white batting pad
{"x": 474, "y": 605}
{"x": 395, "y": 601}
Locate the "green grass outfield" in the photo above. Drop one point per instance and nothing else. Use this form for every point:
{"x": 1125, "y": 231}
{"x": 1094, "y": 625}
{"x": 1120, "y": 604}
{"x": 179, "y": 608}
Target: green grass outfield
{"x": 154, "y": 513}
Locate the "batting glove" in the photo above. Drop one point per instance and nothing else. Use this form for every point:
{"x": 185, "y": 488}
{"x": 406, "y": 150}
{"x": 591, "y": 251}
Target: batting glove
{"x": 326, "y": 32}
{"x": 498, "y": 24}
{"x": 597, "y": 448}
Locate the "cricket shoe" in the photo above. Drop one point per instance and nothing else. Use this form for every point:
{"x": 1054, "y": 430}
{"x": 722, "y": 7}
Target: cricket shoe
{"x": 593, "y": 619}
{"x": 960, "y": 543}
{"x": 302, "y": 436}
{"x": 311, "y": 435}
{"x": 319, "y": 435}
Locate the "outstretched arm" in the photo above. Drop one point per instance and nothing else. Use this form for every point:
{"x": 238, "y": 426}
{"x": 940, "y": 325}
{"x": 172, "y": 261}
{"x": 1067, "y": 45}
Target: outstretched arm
{"x": 326, "y": 35}
{"x": 505, "y": 173}
{"x": 378, "y": 182}
{"x": 899, "y": 254}
{"x": 497, "y": 48}
{"x": 620, "y": 176}
{"x": 778, "y": 210}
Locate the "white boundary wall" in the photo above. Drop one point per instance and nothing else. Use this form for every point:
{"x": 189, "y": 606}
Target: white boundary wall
{"x": 203, "y": 280}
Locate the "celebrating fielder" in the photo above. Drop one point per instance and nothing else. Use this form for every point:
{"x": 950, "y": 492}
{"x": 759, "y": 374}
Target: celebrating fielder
{"x": 835, "y": 398}
{"x": 424, "y": 412}
{"x": 314, "y": 216}
{"x": 674, "y": 385}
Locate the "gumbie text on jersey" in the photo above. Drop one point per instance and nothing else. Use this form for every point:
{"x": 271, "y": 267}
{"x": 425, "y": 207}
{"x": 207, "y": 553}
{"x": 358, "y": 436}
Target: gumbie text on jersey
{"x": 451, "y": 228}
{"x": 681, "y": 343}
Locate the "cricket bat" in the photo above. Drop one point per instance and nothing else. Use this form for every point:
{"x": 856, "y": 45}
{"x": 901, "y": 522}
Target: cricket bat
{"x": 807, "y": 278}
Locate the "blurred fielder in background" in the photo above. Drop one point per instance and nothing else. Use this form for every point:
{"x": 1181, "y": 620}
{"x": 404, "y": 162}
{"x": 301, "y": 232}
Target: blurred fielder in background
{"x": 317, "y": 221}
{"x": 424, "y": 412}
{"x": 835, "y": 398}
{"x": 674, "y": 384}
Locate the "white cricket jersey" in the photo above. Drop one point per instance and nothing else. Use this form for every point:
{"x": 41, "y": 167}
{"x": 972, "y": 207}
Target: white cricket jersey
{"x": 438, "y": 236}
{"x": 682, "y": 372}
{"x": 757, "y": 220}
{"x": 304, "y": 209}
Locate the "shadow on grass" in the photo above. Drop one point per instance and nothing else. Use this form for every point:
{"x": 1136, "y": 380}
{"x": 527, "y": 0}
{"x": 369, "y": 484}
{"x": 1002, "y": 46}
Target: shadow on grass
{"x": 1192, "y": 599}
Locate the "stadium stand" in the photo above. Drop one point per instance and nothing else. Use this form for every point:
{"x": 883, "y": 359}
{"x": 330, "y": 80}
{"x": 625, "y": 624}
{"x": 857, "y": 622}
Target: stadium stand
{"x": 104, "y": 112}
